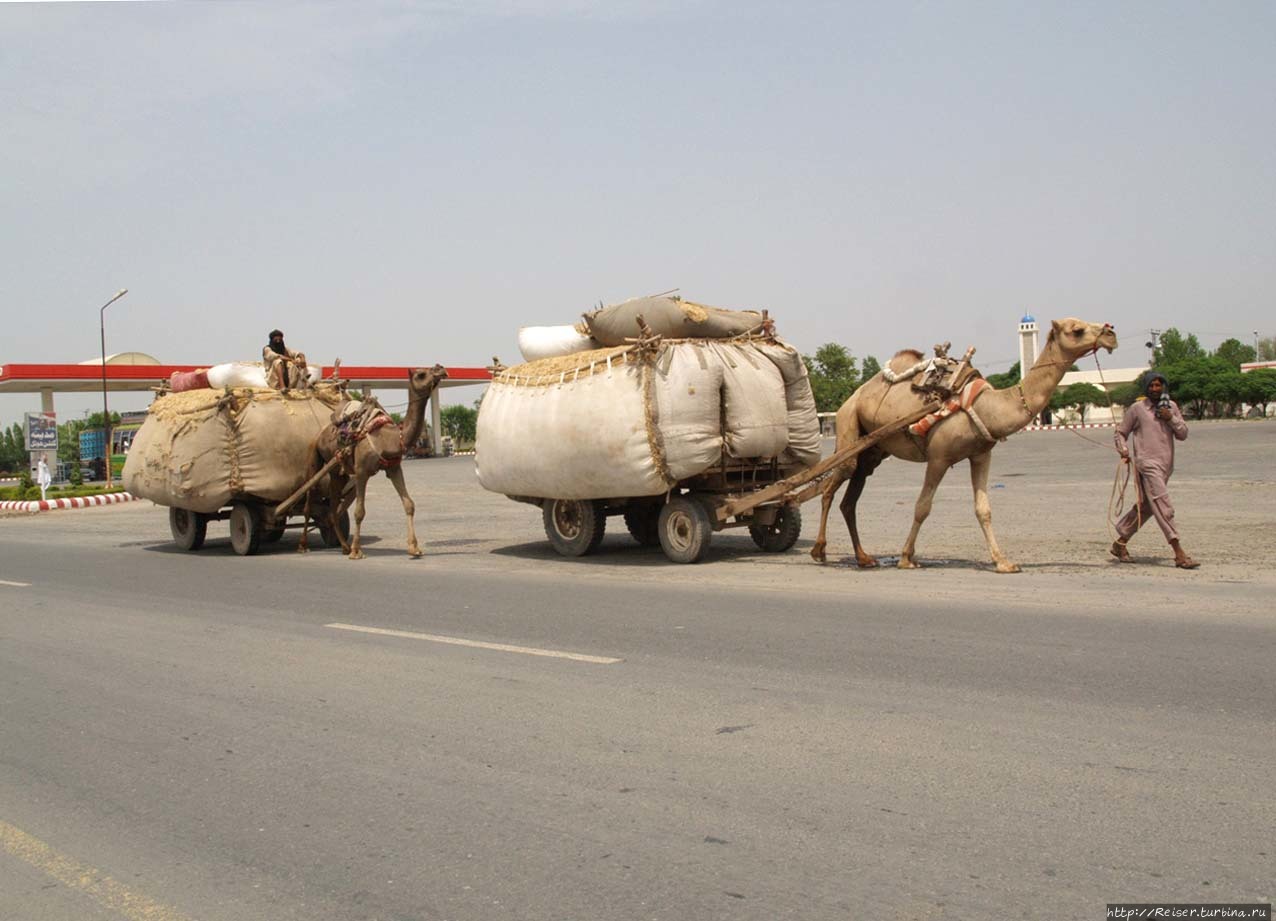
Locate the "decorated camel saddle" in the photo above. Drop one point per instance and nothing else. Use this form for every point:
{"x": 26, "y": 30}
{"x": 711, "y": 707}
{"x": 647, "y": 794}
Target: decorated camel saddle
{"x": 953, "y": 381}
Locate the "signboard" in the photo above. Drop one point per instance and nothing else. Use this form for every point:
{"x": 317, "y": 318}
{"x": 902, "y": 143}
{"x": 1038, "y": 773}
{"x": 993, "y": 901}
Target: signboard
{"x": 41, "y": 431}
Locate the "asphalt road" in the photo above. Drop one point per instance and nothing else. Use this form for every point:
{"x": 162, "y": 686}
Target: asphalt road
{"x": 189, "y": 736}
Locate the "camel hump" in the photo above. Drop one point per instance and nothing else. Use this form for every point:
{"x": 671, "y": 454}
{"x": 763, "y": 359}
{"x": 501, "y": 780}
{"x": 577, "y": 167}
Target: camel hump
{"x": 904, "y": 359}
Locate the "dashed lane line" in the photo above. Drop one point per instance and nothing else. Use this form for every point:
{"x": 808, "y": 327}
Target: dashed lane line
{"x": 91, "y": 881}
{"x": 475, "y": 644}
{"x": 15, "y": 584}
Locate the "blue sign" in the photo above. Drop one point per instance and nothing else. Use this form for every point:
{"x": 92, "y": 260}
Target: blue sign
{"x": 42, "y": 432}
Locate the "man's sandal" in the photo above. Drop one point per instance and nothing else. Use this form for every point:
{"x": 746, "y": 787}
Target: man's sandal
{"x": 1119, "y": 551}
{"x": 1187, "y": 563}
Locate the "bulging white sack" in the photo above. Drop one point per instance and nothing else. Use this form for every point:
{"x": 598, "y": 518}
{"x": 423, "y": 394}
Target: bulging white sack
{"x": 249, "y": 374}
{"x": 537, "y": 342}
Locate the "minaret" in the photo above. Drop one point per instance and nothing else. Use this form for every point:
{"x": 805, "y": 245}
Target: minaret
{"x": 1027, "y": 343}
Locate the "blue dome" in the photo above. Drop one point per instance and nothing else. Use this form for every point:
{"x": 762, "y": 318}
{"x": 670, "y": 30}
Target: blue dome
{"x": 1028, "y": 318}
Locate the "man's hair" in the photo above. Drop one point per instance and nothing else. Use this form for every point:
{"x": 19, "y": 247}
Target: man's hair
{"x": 276, "y": 332}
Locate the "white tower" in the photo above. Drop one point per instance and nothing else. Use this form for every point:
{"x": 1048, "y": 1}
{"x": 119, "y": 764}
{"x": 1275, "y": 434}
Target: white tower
{"x": 1027, "y": 343}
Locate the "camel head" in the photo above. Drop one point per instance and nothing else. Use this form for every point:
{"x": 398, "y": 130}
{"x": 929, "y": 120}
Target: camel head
{"x": 424, "y": 379}
{"x": 1077, "y": 337}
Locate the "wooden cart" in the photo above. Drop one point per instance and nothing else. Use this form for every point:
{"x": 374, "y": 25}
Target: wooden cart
{"x": 253, "y": 521}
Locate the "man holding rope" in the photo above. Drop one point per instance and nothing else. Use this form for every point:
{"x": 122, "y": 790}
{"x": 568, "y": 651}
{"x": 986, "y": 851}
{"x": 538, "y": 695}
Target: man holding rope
{"x": 1148, "y": 432}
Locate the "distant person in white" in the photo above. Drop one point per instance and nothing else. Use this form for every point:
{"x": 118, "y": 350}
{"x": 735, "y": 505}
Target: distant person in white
{"x": 42, "y": 475}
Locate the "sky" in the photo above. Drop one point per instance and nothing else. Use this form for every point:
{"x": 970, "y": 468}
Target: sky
{"x": 406, "y": 183}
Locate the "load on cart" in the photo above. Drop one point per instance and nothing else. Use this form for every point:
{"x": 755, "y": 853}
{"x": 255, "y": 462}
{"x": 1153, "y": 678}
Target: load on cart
{"x": 657, "y": 410}
{"x": 231, "y": 451}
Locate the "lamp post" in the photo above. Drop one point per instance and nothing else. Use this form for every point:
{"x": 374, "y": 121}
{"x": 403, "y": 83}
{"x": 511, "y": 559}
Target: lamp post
{"x": 106, "y": 415}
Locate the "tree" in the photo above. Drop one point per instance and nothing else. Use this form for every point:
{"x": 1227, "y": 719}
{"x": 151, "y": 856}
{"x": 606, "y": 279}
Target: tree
{"x": 1267, "y": 349}
{"x": 833, "y": 376}
{"x": 1079, "y": 396}
{"x": 1006, "y": 378}
{"x": 1173, "y": 348}
{"x": 460, "y": 422}
{"x": 1225, "y": 389}
{"x": 1235, "y": 352}
{"x": 1126, "y": 394}
{"x": 869, "y": 368}
{"x": 1259, "y": 387}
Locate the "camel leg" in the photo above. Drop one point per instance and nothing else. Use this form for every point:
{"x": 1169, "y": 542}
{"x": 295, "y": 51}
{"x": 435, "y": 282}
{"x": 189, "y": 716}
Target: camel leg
{"x": 360, "y": 490}
{"x": 979, "y": 466}
{"x": 826, "y": 502}
{"x": 409, "y": 508}
{"x": 337, "y": 503}
{"x": 935, "y": 470}
{"x": 868, "y": 462}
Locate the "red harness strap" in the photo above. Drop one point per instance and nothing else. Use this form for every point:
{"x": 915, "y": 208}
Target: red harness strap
{"x": 961, "y": 401}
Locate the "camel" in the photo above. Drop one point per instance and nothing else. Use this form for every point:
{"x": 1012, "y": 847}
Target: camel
{"x": 951, "y": 440}
{"x": 381, "y": 448}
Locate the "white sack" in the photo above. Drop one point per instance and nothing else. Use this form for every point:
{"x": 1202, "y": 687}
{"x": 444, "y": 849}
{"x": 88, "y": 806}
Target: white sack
{"x": 755, "y": 415}
{"x": 249, "y": 374}
{"x": 537, "y": 342}
{"x": 803, "y": 421}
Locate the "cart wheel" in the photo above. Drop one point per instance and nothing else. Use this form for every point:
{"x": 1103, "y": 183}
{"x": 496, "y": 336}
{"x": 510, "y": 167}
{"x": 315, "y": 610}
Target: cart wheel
{"x": 574, "y": 526}
{"x": 643, "y": 521}
{"x": 189, "y": 528}
{"x": 685, "y": 529}
{"x": 273, "y": 536}
{"x": 245, "y": 528}
{"x": 782, "y": 533}
{"x": 329, "y": 536}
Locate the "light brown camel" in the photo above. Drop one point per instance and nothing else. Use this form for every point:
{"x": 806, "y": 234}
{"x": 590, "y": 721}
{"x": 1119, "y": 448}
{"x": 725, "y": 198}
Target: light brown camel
{"x": 381, "y": 448}
{"x": 951, "y": 440}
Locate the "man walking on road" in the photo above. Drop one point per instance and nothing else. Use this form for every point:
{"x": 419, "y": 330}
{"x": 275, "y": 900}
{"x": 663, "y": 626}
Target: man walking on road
{"x": 1147, "y": 433}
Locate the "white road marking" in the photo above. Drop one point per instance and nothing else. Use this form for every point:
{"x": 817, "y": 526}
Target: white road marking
{"x": 15, "y": 584}
{"x": 475, "y": 644}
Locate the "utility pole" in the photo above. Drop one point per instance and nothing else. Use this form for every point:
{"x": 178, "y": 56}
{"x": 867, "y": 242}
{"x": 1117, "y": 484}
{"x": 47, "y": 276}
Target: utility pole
{"x": 1153, "y": 344}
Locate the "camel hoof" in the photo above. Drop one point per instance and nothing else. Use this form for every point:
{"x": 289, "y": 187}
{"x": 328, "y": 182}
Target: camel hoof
{"x": 909, "y": 564}
{"x": 416, "y": 554}
{"x": 867, "y": 562}
{"x": 1008, "y": 567}
{"x": 356, "y": 555}
{"x": 817, "y": 554}
{"x": 301, "y": 549}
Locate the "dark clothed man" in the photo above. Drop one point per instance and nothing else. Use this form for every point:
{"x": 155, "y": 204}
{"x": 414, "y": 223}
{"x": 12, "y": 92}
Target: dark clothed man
{"x": 285, "y": 369}
{"x": 1146, "y": 438}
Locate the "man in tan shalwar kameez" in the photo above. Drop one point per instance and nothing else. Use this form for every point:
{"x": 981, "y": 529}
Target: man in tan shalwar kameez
{"x": 1146, "y": 438}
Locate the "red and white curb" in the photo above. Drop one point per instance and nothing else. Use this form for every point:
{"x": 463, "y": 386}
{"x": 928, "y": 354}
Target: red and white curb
{"x": 48, "y": 505}
{"x": 1060, "y": 428}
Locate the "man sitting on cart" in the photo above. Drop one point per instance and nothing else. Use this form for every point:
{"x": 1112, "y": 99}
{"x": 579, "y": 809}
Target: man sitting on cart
{"x": 285, "y": 368}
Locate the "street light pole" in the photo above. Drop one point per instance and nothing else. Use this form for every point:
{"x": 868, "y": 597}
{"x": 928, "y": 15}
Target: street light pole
{"x": 106, "y": 414}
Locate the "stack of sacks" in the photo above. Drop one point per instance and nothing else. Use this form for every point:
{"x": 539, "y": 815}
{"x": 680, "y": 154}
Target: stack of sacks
{"x": 200, "y": 449}
{"x": 617, "y": 422}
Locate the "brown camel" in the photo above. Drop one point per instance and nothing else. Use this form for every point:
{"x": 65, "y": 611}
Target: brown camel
{"x": 951, "y": 440}
{"x": 381, "y": 448}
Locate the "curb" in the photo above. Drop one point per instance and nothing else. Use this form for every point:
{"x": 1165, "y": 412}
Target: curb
{"x": 1060, "y": 428}
{"x": 48, "y": 505}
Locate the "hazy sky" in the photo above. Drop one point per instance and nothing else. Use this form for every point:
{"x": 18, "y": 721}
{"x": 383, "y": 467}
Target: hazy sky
{"x": 409, "y": 183}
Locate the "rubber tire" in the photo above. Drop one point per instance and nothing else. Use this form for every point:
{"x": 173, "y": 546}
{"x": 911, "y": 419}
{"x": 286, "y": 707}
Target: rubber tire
{"x": 783, "y": 534}
{"x": 328, "y": 536}
{"x": 643, "y": 521}
{"x": 574, "y": 526}
{"x": 273, "y": 536}
{"x": 189, "y": 528}
{"x": 685, "y": 529}
{"x": 245, "y": 528}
